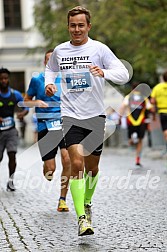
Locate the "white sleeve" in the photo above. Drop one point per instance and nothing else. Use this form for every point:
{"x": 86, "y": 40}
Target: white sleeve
{"x": 51, "y": 70}
{"x": 114, "y": 70}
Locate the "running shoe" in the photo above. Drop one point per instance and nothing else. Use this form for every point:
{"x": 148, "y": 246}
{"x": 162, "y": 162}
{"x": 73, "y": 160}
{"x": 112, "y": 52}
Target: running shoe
{"x": 84, "y": 227}
{"x": 10, "y": 186}
{"x": 138, "y": 166}
{"x": 62, "y": 206}
{"x": 88, "y": 212}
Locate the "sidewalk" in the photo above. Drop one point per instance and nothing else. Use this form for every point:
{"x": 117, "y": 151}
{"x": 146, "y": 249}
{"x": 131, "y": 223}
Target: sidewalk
{"x": 129, "y": 207}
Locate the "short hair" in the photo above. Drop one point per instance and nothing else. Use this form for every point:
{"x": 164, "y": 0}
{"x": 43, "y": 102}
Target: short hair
{"x": 165, "y": 76}
{"x": 4, "y": 70}
{"x": 79, "y": 10}
{"x": 49, "y": 51}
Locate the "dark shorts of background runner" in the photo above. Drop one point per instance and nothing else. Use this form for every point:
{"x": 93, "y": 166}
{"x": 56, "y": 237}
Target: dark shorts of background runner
{"x": 88, "y": 132}
{"x": 163, "y": 120}
{"x": 48, "y": 142}
{"x": 8, "y": 140}
{"x": 139, "y": 129}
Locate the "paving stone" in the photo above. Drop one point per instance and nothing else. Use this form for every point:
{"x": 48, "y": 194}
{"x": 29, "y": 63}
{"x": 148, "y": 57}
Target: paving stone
{"x": 129, "y": 212}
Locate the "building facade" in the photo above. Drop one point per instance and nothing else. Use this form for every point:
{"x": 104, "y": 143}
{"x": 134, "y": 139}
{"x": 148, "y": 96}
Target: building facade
{"x": 18, "y": 39}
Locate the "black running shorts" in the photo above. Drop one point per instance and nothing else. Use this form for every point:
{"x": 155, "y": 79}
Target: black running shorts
{"x": 88, "y": 132}
{"x": 163, "y": 120}
{"x": 139, "y": 129}
{"x": 48, "y": 142}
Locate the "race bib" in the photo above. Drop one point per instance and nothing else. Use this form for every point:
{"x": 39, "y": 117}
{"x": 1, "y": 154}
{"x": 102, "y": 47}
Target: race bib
{"x": 78, "y": 82}
{"x": 54, "y": 124}
{"x": 7, "y": 123}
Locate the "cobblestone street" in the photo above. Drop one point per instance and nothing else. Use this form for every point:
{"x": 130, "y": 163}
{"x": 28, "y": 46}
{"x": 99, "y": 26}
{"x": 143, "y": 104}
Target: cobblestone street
{"x": 129, "y": 207}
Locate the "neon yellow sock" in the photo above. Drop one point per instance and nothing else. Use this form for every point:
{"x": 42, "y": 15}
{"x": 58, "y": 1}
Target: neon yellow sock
{"x": 90, "y": 185}
{"x": 77, "y": 188}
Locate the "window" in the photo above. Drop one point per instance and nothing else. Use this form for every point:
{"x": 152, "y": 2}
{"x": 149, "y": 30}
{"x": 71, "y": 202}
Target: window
{"x": 12, "y": 14}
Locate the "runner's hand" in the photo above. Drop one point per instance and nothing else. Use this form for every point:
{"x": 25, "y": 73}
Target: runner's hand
{"x": 50, "y": 89}
{"x": 96, "y": 71}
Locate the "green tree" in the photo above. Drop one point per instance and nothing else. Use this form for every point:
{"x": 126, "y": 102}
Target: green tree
{"x": 51, "y": 19}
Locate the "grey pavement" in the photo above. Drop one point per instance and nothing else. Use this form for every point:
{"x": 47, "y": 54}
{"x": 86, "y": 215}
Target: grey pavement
{"x": 129, "y": 206}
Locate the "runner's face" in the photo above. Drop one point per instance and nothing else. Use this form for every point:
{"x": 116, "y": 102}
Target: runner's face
{"x": 78, "y": 29}
{"x": 4, "y": 80}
